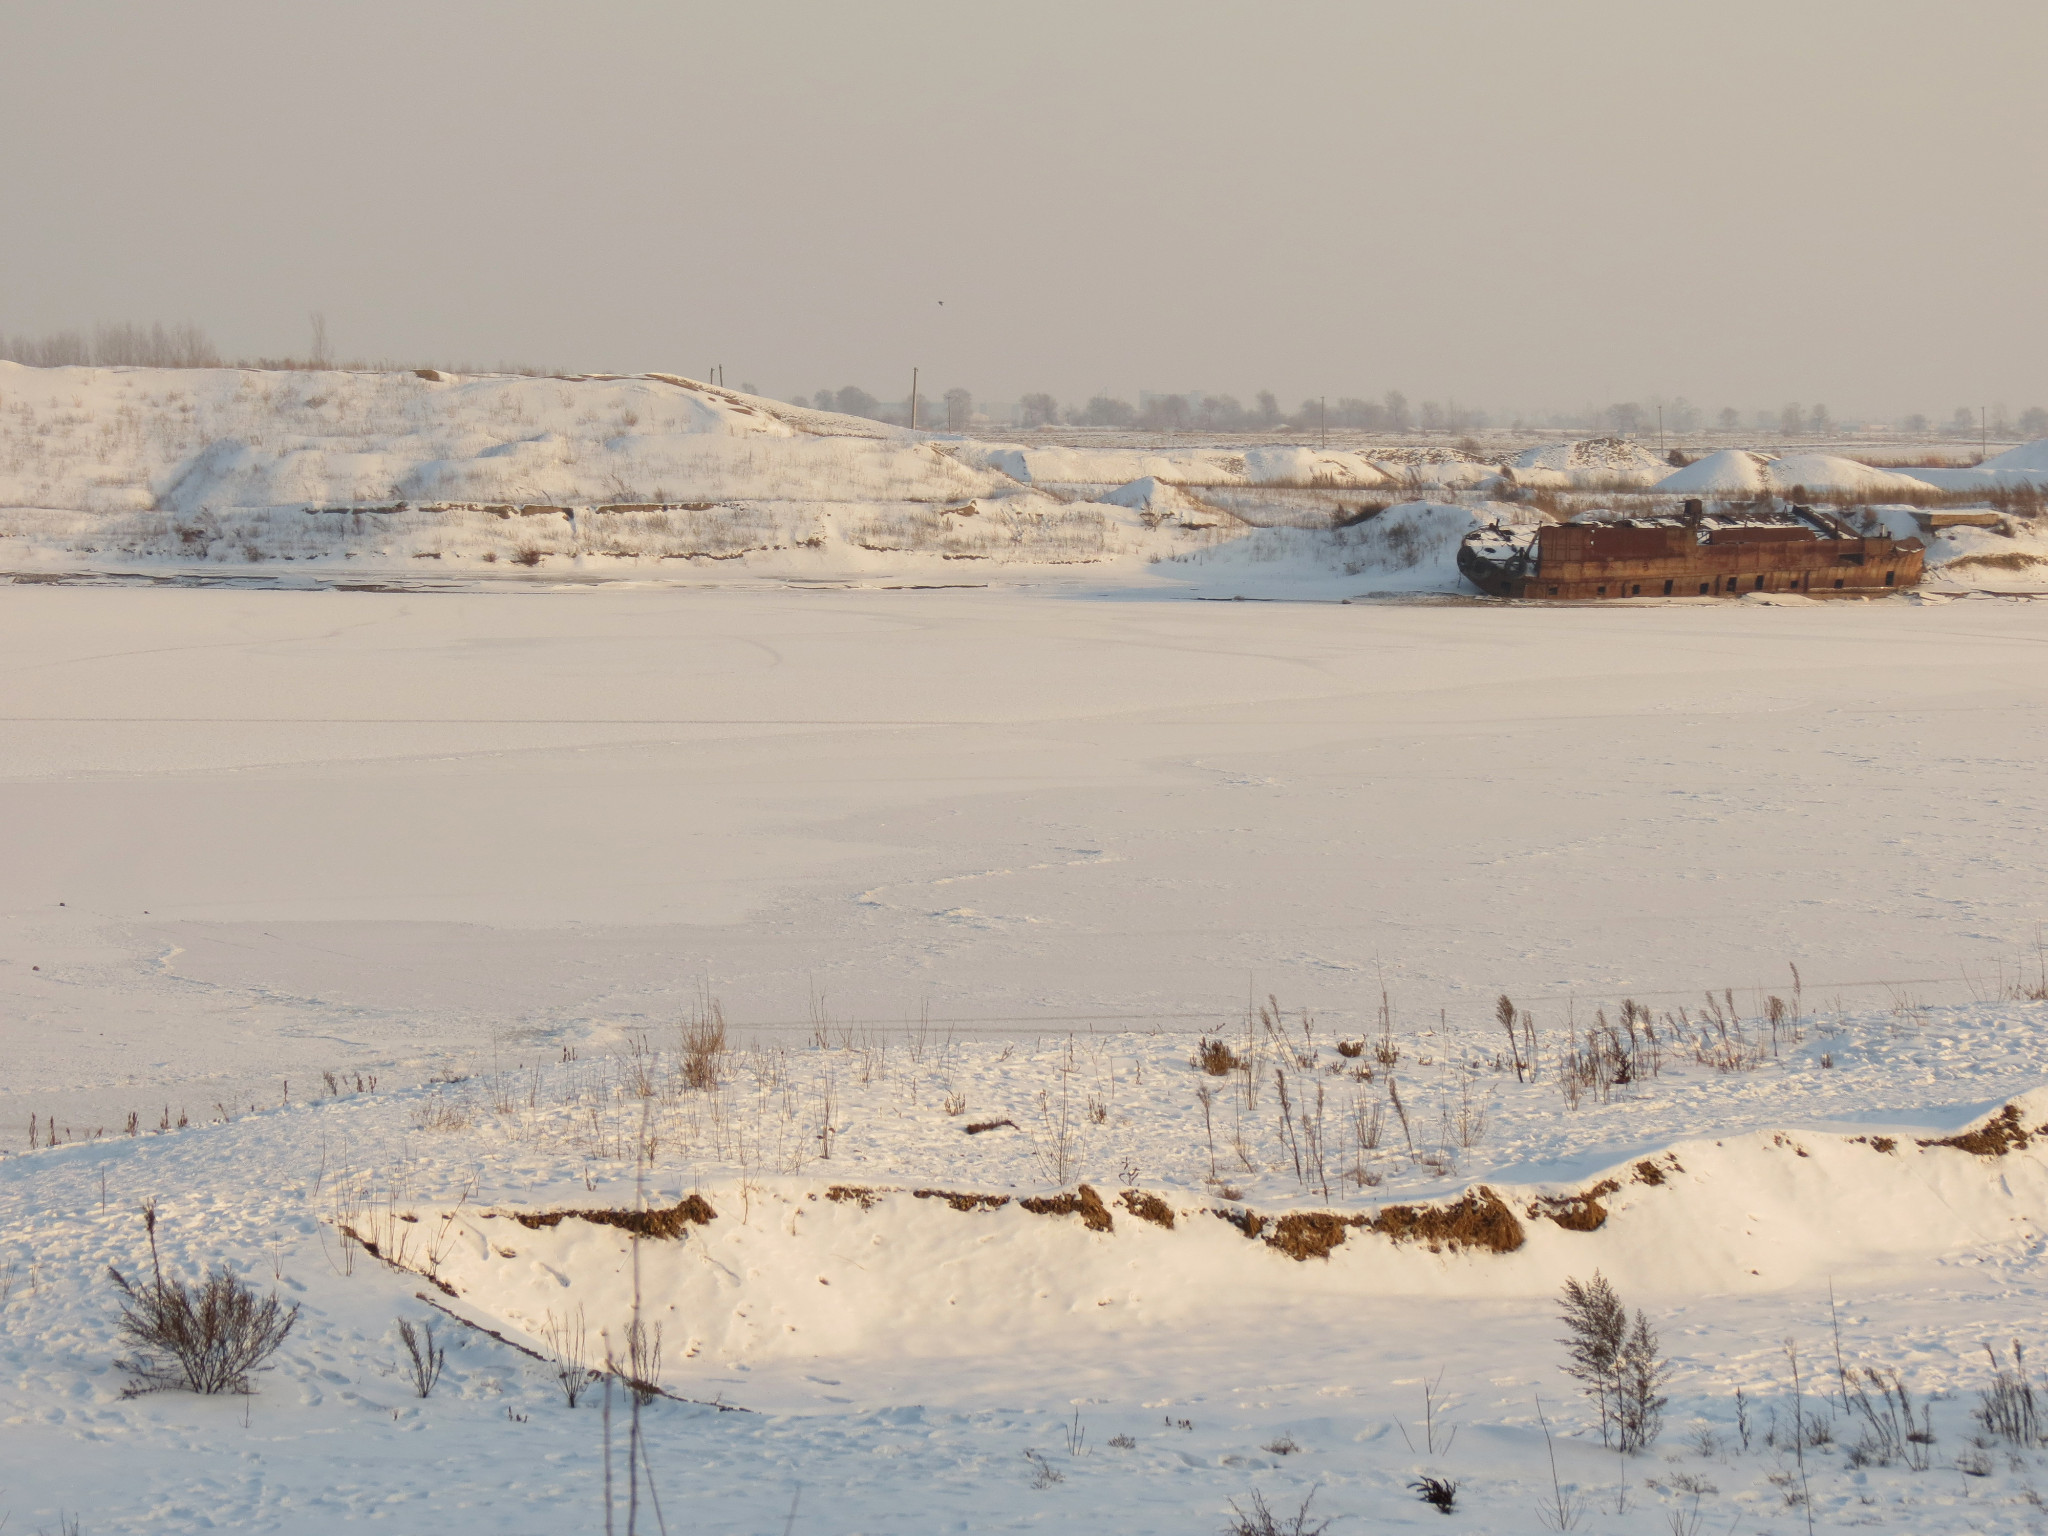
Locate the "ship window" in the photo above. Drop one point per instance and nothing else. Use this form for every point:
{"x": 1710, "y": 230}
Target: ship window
{"x": 1890, "y": 578}
{"x": 1703, "y": 589}
{"x": 1636, "y": 590}
{"x": 1838, "y": 581}
{"x": 1667, "y": 589}
{"x": 1759, "y": 583}
{"x": 1600, "y": 592}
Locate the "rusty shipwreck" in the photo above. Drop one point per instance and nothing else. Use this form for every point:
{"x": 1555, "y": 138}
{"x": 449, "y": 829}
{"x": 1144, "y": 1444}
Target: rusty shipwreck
{"x": 1693, "y": 554}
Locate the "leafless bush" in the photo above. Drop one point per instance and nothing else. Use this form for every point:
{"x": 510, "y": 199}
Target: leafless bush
{"x": 1216, "y": 1058}
{"x": 1890, "y": 1431}
{"x": 641, "y": 1369}
{"x": 1612, "y": 1054}
{"x": 566, "y": 1342}
{"x": 424, "y": 1358}
{"x": 2007, "y": 1407}
{"x": 203, "y": 1338}
{"x": 1619, "y": 1366}
{"x": 1284, "y": 1445}
{"x": 1043, "y": 1473}
{"x": 1260, "y": 1520}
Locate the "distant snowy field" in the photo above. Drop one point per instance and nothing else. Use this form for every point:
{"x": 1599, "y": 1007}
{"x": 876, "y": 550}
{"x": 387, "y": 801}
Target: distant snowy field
{"x": 1011, "y": 851}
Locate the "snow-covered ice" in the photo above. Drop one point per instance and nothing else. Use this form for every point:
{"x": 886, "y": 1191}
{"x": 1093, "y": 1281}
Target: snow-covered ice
{"x": 507, "y": 839}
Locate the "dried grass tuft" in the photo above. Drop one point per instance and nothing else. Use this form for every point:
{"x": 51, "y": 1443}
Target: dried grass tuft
{"x": 1216, "y": 1059}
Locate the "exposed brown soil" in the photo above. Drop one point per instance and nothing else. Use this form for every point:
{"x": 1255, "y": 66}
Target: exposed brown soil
{"x": 1582, "y": 1212}
{"x": 1305, "y": 1235}
{"x": 672, "y": 1221}
{"x": 861, "y": 1194}
{"x": 1148, "y": 1208}
{"x": 1479, "y": 1219}
{"x": 1250, "y": 1223}
{"x": 963, "y": 1202}
{"x": 1084, "y": 1202}
{"x": 2000, "y": 1134}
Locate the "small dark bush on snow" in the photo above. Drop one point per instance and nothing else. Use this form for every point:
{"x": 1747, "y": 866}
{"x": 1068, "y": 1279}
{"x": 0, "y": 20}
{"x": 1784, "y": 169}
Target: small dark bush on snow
{"x": 203, "y": 1338}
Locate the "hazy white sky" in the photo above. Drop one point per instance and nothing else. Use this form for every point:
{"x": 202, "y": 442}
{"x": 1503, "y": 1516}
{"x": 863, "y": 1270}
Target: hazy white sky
{"x": 1513, "y": 205}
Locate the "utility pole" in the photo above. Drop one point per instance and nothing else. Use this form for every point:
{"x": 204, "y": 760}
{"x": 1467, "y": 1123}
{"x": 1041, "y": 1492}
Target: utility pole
{"x": 913, "y": 399}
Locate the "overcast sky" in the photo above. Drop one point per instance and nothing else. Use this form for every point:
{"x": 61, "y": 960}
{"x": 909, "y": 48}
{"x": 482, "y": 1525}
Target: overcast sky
{"x": 1509, "y": 205}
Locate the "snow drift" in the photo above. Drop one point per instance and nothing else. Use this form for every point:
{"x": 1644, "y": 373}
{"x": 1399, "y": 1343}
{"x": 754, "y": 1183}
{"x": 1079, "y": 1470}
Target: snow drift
{"x": 799, "y": 1271}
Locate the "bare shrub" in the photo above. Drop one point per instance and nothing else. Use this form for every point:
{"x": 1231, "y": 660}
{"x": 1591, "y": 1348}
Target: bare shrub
{"x": 1619, "y": 1366}
{"x": 2007, "y": 1407}
{"x": 1260, "y": 1520}
{"x": 1639, "y": 1404}
{"x": 641, "y": 1369}
{"x": 203, "y": 1338}
{"x": 1043, "y": 1473}
{"x": 424, "y": 1358}
{"x": 1891, "y": 1433}
{"x": 1216, "y": 1058}
{"x": 567, "y": 1345}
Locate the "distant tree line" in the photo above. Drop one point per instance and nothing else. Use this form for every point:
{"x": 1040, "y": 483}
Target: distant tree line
{"x": 1193, "y": 412}
{"x": 949, "y": 411}
{"x": 114, "y": 346}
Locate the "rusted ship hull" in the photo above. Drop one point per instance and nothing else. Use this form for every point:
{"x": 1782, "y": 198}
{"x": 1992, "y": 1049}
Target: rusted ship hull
{"x": 1813, "y": 554}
